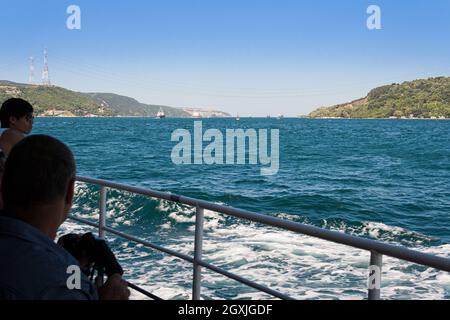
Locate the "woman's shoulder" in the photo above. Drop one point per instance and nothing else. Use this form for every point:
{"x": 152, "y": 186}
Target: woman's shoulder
{"x": 11, "y": 134}
{"x": 9, "y": 138}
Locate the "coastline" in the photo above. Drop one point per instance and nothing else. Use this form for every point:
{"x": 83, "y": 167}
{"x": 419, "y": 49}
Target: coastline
{"x": 394, "y": 119}
{"x": 199, "y": 118}
{"x": 124, "y": 117}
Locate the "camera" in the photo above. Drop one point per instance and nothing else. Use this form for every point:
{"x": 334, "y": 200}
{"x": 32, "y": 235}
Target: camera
{"x": 94, "y": 251}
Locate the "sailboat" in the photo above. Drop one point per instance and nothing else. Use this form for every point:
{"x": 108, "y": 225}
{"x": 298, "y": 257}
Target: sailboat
{"x": 237, "y": 117}
{"x": 160, "y": 114}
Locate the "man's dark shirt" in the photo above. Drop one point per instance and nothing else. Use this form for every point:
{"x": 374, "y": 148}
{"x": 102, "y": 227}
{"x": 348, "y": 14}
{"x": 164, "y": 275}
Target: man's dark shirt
{"x": 33, "y": 267}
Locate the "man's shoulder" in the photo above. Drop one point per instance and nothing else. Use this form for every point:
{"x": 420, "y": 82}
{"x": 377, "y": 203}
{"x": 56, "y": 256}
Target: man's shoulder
{"x": 55, "y": 254}
{"x": 18, "y": 238}
{"x": 40, "y": 273}
{"x": 34, "y": 254}
{"x": 33, "y": 268}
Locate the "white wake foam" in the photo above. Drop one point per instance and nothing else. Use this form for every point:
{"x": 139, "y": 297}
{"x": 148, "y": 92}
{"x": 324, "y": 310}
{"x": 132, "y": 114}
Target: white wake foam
{"x": 302, "y": 267}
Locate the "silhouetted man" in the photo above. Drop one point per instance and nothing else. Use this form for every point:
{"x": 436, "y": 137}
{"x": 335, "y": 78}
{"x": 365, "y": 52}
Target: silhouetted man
{"x": 38, "y": 188}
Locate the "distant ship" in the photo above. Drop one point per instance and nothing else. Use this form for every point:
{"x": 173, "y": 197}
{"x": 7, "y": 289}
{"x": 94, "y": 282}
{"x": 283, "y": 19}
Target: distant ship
{"x": 237, "y": 117}
{"x": 280, "y": 116}
{"x": 160, "y": 114}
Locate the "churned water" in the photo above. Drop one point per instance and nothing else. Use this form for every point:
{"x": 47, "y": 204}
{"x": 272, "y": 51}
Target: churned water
{"x": 381, "y": 179}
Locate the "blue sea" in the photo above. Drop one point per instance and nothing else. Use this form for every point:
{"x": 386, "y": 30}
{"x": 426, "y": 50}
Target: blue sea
{"x": 381, "y": 179}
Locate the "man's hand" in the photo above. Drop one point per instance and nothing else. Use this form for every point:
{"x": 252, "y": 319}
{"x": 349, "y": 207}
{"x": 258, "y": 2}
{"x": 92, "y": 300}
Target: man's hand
{"x": 114, "y": 289}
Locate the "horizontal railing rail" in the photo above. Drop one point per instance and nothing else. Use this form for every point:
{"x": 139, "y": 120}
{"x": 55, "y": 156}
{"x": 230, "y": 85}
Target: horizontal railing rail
{"x": 376, "y": 248}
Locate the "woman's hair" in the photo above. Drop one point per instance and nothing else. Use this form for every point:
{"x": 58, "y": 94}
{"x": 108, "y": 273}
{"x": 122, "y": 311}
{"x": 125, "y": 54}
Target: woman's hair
{"x": 16, "y": 108}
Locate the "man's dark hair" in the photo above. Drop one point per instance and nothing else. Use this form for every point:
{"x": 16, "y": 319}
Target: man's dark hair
{"x": 16, "y": 108}
{"x": 37, "y": 171}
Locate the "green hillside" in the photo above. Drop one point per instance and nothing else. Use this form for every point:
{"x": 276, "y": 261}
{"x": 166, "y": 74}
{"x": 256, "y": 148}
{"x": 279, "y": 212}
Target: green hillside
{"x": 426, "y": 98}
{"x": 130, "y": 107}
{"x": 46, "y": 99}
{"x": 50, "y": 98}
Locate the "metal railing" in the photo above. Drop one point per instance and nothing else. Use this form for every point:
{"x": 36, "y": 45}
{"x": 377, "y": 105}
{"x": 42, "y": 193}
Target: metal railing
{"x": 376, "y": 248}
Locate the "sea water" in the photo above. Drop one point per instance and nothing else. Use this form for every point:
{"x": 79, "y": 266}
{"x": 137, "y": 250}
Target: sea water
{"x": 380, "y": 179}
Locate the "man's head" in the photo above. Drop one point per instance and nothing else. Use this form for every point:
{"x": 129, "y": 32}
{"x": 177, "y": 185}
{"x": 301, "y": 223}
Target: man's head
{"x": 17, "y": 114}
{"x": 39, "y": 174}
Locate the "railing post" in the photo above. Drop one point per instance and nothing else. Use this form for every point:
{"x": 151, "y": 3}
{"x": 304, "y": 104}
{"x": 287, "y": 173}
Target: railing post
{"x": 198, "y": 249}
{"x": 376, "y": 262}
{"x": 102, "y": 214}
{"x": 101, "y": 225}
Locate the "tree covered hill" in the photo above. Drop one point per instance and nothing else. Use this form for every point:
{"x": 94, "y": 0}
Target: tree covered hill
{"x": 130, "y": 107}
{"x": 48, "y": 100}
{"x": 426, "y": 98}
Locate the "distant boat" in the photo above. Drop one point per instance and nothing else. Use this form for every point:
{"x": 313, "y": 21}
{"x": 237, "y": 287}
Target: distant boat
{"x": 280, "y": 116}
{"x": 237, "y": 117}
{"x": 160, "y": 114}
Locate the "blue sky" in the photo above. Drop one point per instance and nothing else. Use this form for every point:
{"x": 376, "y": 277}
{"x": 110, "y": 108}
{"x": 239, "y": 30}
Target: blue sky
{"x": 255, "y": 57}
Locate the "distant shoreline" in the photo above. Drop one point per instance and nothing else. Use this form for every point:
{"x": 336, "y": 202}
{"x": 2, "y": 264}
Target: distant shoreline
{"x": 202, "y": 118}
{"x": 393, "y": 119}
{"x": 125, "y": 117}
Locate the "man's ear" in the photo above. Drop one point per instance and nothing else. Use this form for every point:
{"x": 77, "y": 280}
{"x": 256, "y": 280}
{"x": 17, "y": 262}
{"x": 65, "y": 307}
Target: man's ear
{"x": 68, "y": 200}
{"x": 12, "y": 121}
{"x": 70, "y": 192}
